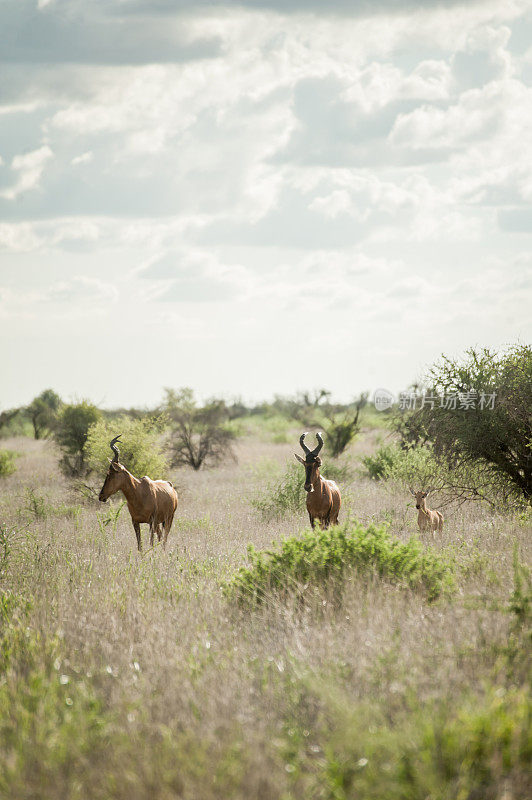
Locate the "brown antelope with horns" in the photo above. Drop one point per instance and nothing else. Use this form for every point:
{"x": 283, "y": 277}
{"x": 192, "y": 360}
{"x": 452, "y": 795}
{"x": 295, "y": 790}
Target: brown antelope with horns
{"x": 323, "y": 496}
{"x": 426, "y": 519}
{"x": 148, "y": 501}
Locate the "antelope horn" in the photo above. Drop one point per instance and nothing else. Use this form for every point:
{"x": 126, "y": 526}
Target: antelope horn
{"x": 114, "y": 448}
{"x": 306, "y": 450}
{"x": 319, "y": 445}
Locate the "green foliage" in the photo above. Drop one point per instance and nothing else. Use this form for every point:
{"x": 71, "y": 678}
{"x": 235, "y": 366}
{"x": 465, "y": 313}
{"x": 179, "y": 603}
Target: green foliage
{"x": 320, "y": 557}
{"x": 7, "y": 462}
{"x": 336, "y": 470}
{"x": 470, "y": 746}
{"x": 520, "y": 607}
{"x": 201, "y": 436}
{"x": 36, "y": 504}
{"x": 379, "y": 466}
{"x": 270, "y": 427}
{"x": 411, "y": 466}
{"x": 497, "y": 441}
{"x": 108, "y": 520}
{"x": 43, "y": 412}
{"x": 71, "y": 432}
{"x": 51, "y": 722}
{"x": 286, "y": 495}
{"x": 342, "y": 428}
{"x": 140, "y": 448}
{"x": 340, "y": 432}
{"x": 14, "y": 422}
{"x": 7, "y": 535}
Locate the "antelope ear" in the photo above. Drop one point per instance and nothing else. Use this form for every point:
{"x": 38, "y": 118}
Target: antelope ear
{"x": 301, "y": 461}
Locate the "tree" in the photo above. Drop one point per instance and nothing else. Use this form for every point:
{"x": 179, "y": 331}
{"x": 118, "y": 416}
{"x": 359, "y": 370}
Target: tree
{"x": 200, "y": 436}
{"x": 139, "y": 446}
{"x": 43, "y": 411}
{"x": 71, "y": 432}
{"x": 341, "y": 430}
{"x": 7, "y": 417}
{"x": 483, "y": 425}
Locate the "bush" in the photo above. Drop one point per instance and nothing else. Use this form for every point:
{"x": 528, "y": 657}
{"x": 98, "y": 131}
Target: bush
{"x": 320, "y": 557}
{"x": 411, "y": 466}
{"x": 43, "y": 412}
{"x": 284, "y": 496}
{"x": 201, "y": 435}
{"x": 488, "y": 442}
{"x": 7, "y": 462}
{"x": 380, "y": 465}
{"x": 13, "y": 422}
{"x": 71, "y": 435}
{"x": 342, "y": 429}
{"x": 140, "y": 449}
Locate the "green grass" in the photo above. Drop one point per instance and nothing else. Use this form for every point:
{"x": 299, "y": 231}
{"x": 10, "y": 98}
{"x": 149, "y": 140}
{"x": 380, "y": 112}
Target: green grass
{"x": 7, "y": 462}
{"x": 323, "y": 557}
{"x": 466, "y": 746}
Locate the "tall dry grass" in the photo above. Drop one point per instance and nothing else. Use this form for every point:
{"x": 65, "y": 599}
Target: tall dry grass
{"x": 134, "y": 677}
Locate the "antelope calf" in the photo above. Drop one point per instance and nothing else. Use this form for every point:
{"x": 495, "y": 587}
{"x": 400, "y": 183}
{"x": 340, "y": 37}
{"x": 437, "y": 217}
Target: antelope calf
{"x": 426, "y": 519}
{"x": 148, "y": 501}
{"x": 323, "y": 496}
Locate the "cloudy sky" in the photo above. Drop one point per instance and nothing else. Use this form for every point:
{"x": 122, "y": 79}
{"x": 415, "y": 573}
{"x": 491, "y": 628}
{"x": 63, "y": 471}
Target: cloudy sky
{"x": 261, "y": 196}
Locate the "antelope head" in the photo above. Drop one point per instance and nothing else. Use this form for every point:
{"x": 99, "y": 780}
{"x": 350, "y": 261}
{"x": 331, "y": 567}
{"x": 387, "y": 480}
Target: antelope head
{"x": 114, "y": 479}
{"x": 311, "y": 462}
{"x": 420, "y": 497}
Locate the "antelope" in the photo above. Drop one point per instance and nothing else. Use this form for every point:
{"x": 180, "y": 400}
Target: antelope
{"x": 148, "y": 501}
{"x": 426, "y": 519}
{"x": 323, "y": 496}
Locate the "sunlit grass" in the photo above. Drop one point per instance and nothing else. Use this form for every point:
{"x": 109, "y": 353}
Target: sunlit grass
{"x": 127, "y": 676}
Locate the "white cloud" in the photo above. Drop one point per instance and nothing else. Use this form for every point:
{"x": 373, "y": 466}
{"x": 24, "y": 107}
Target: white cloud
{"x": 84, "y": 158}
{"x": 28, "y": 169}
{"x": 362, "y": 169}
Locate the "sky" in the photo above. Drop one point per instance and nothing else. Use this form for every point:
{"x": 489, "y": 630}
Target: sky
{"x": 259, "y": 197}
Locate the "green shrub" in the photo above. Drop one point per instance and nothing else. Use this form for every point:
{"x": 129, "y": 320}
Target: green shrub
{"x": 379, "y": 466}
{"x": 71, "y": 431}
{"x": 411, "y": 466}
{"x": 338, "y": 471}
{"x": 285, "y": 496}
{"x": 7, "y": 462}
{"x": 43, "y": 411}
{"x": 140, "y": 449}
{"x": 325, "y": 556}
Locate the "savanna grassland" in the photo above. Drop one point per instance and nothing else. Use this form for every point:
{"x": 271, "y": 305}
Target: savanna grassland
{"x": 153, "y": 676}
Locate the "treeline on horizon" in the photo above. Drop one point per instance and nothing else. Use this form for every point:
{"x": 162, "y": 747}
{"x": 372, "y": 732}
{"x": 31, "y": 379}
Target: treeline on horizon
{"x": 471, "y": 451}
{"x": 38, "y": 419}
